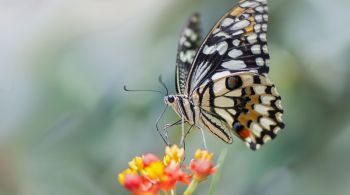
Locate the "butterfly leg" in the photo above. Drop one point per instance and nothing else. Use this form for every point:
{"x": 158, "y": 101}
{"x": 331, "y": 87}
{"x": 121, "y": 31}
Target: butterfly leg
{"x": 203, "y": 137}
{"x": 184, "y": 141}
{"x": 167, "y": 126}
{"x": 166, "y": 141}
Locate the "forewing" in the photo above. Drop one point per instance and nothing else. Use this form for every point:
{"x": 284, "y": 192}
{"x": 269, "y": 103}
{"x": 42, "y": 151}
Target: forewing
{"x": 188, "y": 46}
{"x": 247, "y": 103}
{"x": 236, "y": 43}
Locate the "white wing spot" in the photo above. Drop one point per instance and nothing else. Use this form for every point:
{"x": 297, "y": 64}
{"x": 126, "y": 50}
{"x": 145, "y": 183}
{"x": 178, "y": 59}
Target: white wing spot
{"x": 209, "y": 49}
{"x": 262, "y": 109}
{"x": 235, "y": 53}
{"x": 240, "y": 25}
{"x": 222, "y": 34}
{"x": 266, "y": 99}
{"x": 234, "y": 65}
{"x": 257, "y": 28}
{"x": 249, "y": 4}
{"x": 279, "y": 104}
{"x": 222, "y": 47}
{"x": 188, "y": 56}
{"x": 274, "y": 92}
{"x": 266, "y": 17}
{"x": 279, "y": 117}
{"x": 259, "y": 9}
{"x": 266, "y": 138}
{"x": 263, "y": 37}
{"x": 260, "y": 61}
{"x": 252, "y": 38}
{"x": 188, "y": 32}
{"x": 259, "y": 18}
{"x": 265, "y": 49}
{"x": 227, "y": 22}
{"x": 276, "y": 130}
{"x": 256, "y": 128}
{"x": 264, "y": 27}
{"x": 256, "y": 49}
{"x": 238, "y": 33}
{"x": 236, "y": 42}
{"x": 260, "y": 89}
{"x": 266, "y": 122}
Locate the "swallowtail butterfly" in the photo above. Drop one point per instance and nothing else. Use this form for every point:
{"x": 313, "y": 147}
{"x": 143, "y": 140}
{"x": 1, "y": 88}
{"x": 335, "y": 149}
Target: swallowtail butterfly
{"x": 222, "y": 83}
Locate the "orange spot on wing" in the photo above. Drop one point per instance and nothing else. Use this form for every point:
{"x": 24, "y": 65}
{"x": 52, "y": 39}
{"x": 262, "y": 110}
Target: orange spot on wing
{"x": 245, "y": 133}
{"x": 250, "y": 28}
{"x": 237, "y": 11}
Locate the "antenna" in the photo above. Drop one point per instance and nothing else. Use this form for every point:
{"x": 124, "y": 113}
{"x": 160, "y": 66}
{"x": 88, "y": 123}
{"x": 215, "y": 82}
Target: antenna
{"x": 163, "y": 84}
{"x": 141, "y": 90}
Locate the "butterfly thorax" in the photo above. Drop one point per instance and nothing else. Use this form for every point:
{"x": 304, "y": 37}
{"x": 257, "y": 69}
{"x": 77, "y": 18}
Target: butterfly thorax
{"x": 184, "y": 107}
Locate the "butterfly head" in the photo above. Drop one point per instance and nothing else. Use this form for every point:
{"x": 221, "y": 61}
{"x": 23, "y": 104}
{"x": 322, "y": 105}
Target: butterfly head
{"x": 170, "y": 99}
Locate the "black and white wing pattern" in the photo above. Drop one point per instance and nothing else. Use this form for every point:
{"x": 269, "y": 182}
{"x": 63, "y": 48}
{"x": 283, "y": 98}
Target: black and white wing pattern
{"x": 188, "y": 45}
{"x": 228, "y": 78}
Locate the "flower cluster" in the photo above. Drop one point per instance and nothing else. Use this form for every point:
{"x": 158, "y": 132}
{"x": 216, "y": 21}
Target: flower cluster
{"x": 148, "y": 174}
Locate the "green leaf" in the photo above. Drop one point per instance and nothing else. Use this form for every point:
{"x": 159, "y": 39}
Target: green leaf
{"x": 216, "y": 178}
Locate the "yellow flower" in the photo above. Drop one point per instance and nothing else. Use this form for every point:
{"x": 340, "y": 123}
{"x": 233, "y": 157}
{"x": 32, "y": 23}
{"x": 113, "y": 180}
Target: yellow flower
{"x": 154, "y": 171}
{"x": 136, "y": 164}
{"x": 173, "y": 153}
{"x": 203, "y": 154}
{"x": 121, "y": 176}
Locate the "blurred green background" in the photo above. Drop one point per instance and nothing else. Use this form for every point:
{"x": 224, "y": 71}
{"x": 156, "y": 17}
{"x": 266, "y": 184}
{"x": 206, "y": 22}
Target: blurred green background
{"x": 67, "y": 127}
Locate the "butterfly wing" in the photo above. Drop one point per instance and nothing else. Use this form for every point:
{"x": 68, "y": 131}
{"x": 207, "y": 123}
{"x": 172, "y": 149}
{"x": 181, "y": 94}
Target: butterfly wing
{"x": 236, "y": 43}
{"x": 188, "y": 46}
{"x": 246, "y": 103}
{"x": 228, "y": 78}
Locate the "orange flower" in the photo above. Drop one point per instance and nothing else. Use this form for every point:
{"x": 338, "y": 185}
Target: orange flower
{"x": 200, "y": 154}
{"x": 149, "y": 158}
{"x": 202, "y": 166}
{"x": 136, "y": 164}
{"x": 172, "y": 175}
{"x": 147, "y": 175}
{"x": 173, "y": 153}
{"x": 135, "y": 183}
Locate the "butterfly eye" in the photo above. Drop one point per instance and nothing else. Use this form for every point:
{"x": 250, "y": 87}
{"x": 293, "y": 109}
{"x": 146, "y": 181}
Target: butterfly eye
{"x": 233, "y": 82}
{"x": 171, "y": 99}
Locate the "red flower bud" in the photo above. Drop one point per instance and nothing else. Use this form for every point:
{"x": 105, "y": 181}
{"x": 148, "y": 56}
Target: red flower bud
{"x": 202, "y": 168}
{"x": 149, "y": 158}
{"x": 132, "y": 182}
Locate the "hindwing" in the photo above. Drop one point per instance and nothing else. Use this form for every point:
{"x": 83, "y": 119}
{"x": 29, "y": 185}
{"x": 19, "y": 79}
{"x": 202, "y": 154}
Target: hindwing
{"x": 244, "y": 102}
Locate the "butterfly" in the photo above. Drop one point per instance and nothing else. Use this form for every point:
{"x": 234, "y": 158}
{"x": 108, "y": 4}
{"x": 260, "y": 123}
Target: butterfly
{"x": 222, "y": 82}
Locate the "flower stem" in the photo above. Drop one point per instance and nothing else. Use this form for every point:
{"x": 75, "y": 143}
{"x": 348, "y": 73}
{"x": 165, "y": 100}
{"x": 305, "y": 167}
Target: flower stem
{"x": 192, "y": 187}
{"x": 172, "y": 192}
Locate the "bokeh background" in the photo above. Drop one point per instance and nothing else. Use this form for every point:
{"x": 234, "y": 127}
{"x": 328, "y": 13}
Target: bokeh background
{"x": 67, "y": 127}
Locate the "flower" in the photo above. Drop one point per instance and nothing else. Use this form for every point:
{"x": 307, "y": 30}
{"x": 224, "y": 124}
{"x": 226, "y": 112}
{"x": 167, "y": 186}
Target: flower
{"x": 202, "y": 166}
{"x": 203, "y": 154}
{"x": 135, "y": 183}
{"x": 149, "y": 158}
{"x": 136, "y": 163}
{"x": 148, "y": 174}
{"x": 173, "y": 153}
